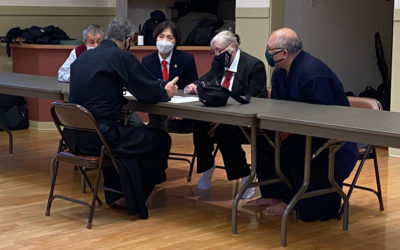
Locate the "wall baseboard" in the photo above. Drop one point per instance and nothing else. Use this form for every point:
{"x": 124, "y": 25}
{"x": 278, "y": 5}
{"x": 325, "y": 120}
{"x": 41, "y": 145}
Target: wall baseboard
{"x": 41, "y": 125}
{"x": 394, "y": 152}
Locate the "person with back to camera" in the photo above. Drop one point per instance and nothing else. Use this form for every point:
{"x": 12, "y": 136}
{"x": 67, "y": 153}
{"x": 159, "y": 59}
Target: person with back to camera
{"x": 242, "y": 74}
{"x": 166, "y": 63}
{"x": 98, "y": 79}
{"x": 301, "y": 77}
{"x": 92, "y": 36}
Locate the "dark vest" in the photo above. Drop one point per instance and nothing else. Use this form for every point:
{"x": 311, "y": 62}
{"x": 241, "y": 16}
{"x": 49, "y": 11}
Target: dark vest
{"x": 80, "y": 49}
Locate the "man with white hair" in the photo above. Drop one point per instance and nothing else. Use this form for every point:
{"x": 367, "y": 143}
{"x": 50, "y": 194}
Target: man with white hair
{"x": 98, "y": 79}
{"x": 92, "y": 35}
{"x": 241, "y": 74}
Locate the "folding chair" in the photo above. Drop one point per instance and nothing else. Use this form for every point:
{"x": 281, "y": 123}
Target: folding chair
{"x": 184, "y": 157}
{"x": 76, "y": 117}
{"x": 189, "y": 158}
{"x": 366, "y": 151}
{"x": 10, "y": 137}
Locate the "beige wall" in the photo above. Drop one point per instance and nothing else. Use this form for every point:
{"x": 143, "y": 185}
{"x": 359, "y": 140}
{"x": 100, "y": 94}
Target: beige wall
{"x": 255, "y": 23}
{"x": 395, "y": 91}
{"x": 253, "y": 26}
{"x": 71, "y": 19}
{"x": 341, "y": 34}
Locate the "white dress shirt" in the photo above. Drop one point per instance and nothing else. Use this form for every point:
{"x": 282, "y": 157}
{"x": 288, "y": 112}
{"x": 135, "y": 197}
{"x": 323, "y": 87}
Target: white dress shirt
{"x": 64, "y": 71}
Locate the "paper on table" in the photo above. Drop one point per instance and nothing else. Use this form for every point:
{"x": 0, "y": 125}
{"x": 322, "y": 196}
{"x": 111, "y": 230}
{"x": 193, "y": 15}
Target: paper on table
{"x": 175, "y": 99}
{"x": 184, "y": 99}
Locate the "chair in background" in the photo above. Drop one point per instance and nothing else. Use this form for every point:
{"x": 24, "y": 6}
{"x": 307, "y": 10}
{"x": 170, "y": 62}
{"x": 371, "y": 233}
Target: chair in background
{"x": 366, "y": 151}
{"x": 184, "y": 126}
{"x": 76, "y": 117}
{"x": 10, "y": 137}
{"x": 189, "y": 158}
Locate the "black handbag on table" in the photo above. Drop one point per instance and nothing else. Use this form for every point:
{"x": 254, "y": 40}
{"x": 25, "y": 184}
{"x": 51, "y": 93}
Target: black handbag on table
{"x": 212, "y": 94}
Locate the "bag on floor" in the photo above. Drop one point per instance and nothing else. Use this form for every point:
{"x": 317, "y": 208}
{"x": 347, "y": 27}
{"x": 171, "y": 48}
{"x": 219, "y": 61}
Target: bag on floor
{"x": 13, "y": 112}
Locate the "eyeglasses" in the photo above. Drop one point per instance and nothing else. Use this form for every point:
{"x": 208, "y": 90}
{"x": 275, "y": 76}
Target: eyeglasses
{"x": 130, "y": 42}
{"x": 274, "y": 48}
{"x": 218, "y": 50}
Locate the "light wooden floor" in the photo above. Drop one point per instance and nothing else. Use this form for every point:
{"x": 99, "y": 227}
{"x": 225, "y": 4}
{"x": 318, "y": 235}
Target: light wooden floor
{"x": 181, "y": 217}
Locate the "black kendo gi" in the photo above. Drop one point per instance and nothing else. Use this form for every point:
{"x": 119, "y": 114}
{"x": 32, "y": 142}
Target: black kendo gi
{"x": 98, "y": 78}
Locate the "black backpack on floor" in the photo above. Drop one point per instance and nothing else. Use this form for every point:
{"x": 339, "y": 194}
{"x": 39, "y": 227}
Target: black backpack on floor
{"x": 13, "y": 112}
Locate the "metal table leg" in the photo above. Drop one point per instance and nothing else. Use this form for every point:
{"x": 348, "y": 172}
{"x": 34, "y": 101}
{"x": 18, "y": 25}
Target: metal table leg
{"x": 300, "y": 192}
{"x": 248, "y": 181}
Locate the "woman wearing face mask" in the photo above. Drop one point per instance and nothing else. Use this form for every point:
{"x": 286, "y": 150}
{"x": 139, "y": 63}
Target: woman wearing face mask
{"x": 241, "y": 74}
{"x": 166, "y": 63}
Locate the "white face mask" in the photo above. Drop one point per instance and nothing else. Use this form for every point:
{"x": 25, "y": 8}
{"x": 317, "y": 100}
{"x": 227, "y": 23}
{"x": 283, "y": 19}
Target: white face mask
{"x": 89, "y": 48}
{"x": 164, "y": 46}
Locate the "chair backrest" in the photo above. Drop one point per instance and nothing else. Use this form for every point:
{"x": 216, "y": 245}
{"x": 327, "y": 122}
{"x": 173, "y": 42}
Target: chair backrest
{"x": 364, "y": 102}
{"x": 76, "y": 117}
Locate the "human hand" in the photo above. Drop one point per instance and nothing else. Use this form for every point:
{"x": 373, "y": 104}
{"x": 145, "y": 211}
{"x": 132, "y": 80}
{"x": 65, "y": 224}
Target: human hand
{"x": 171, "y": 87}
{"x": 176, "y": 118}
{"x": 190, "y": 89}
{"x": 284, "y": 135}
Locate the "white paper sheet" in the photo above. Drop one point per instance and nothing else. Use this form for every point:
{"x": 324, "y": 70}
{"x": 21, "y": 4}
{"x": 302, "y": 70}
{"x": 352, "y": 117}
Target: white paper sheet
{"x": 184, "y": 99}
{"x": 175, "y": 99}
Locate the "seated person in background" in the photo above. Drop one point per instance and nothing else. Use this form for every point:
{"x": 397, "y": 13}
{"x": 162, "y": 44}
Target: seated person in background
{"x": 97, "y": 80}
{"x": 167, "y": 63}
{"x": 92, "y": 36}
{"x": 241, "y": 73}
{"x": 301, "y": 77}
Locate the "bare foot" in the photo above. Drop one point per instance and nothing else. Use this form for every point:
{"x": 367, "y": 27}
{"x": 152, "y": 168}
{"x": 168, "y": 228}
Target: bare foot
{"x": 262, "y": 202}
{"x": 118, "y": 204}
{"x": 275, "y": 210}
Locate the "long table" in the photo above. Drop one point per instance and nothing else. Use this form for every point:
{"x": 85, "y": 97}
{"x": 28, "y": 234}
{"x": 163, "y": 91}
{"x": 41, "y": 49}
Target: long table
{"x": 233, "y": 113}
{"x": 32, "y": 86}
{"x": 332, "y": 122}
{"x": 335, "y": 122}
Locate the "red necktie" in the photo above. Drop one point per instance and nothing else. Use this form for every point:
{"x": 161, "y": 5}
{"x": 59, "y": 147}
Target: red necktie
{"x": 164, "y": 70}
{"x": 227, "y": 79}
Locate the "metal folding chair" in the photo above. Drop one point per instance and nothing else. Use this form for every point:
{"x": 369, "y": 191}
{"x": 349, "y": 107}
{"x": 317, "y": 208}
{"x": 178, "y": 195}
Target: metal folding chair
{"x": 366, "y": 151}
{"x": 76, "y": 117}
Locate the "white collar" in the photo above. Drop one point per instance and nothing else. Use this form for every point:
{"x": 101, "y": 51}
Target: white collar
{"x": 235, "y": 62}
{"x": 168, "y": 59}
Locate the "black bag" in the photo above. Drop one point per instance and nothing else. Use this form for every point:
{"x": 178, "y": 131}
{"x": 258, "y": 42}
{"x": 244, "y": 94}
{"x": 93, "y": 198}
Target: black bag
{"x": 201, "y": 34}
{"x": 13, "y": 112}
{"x": 381, "y": 94}
{"x": 12, "y": 34}
{"x": 47, "y": 35}
{"x": 212, "y": 94}
{"x": 156, "y": 17}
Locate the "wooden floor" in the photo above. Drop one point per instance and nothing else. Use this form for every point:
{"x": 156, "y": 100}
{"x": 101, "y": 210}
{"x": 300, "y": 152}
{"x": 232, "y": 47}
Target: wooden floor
{"x": 181, "y": 217}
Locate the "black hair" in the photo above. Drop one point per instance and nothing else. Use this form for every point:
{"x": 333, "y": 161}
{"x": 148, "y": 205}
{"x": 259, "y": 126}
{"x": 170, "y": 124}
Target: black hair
{"x": 168, "y": 25}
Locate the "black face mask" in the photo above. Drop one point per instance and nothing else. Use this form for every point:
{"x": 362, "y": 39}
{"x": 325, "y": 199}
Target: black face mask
{"x": 223, "y": 58}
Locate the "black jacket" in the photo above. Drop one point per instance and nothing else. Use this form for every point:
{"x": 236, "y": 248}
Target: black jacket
{"x": 250, "y": 76}
{"x": 182, "y": 65}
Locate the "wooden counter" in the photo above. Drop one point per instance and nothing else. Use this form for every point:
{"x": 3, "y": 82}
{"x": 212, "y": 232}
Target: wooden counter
{"x": 46, "y": 59}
